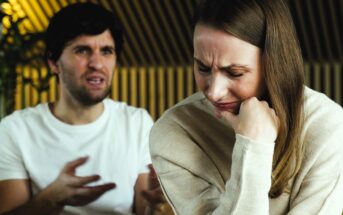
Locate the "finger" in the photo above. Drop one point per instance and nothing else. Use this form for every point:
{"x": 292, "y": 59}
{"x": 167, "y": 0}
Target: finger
{"x": 153, "y": 196}
{"x": 95, "y": 190}
{"x": 72, "y": 165}
{"x": 152, "y": 172}
{"x": 78, "y": 181}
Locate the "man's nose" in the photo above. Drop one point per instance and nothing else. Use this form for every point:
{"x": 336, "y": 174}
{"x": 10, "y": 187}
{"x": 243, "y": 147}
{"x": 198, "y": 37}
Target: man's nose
{"x": 96, "y": 61}
{"x": 218, "y": 87}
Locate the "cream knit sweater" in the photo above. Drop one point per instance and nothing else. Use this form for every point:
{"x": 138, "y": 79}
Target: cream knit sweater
{"x": 204, "y": 168}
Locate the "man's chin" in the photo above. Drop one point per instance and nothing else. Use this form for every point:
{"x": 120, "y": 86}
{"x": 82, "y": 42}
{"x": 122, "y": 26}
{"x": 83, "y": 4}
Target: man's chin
{"x": 91, "y": 100}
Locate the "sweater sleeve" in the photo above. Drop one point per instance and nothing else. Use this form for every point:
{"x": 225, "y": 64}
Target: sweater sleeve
{"x": 246, "y": 191}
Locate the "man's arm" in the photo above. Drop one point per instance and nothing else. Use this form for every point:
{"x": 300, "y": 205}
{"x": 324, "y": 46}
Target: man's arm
{"x": 140, "y": 202}
{"x": 15, "y": 198}
{"x": 149, "y": 198}
{"x": 13, "y": 193}
{"x": 67, "y": 189}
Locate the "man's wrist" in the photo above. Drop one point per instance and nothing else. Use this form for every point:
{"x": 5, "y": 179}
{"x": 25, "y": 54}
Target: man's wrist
{"x": 44, "y": 199}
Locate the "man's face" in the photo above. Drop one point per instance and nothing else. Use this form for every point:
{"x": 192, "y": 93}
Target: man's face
{"x": 86, "y": 67}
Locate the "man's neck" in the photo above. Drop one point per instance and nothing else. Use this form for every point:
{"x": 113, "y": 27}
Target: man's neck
{"x": 74, "y": 113}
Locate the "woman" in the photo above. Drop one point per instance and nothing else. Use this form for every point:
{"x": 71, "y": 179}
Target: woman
{"x": 254, "y": 140}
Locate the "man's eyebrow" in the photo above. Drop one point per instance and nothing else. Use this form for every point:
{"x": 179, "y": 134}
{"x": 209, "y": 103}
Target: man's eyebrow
{"x": 78, "y": 46}
{"x": 108, "y": 47}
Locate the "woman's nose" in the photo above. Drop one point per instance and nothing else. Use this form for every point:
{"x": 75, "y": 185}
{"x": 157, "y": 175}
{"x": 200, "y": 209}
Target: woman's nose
{"x": 218, "y": 87}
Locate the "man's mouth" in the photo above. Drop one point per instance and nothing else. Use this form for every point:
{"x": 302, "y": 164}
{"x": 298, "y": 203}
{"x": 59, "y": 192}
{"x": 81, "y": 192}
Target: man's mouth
{"x": 95, "y": 81}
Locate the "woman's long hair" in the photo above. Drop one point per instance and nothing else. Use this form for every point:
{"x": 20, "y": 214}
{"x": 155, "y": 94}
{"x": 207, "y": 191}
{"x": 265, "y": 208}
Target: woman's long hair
{"x": 268, "y": 25}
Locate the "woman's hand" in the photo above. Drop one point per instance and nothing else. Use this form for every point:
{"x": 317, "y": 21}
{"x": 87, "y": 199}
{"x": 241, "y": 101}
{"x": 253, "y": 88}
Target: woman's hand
{"x": 255, "y": 120}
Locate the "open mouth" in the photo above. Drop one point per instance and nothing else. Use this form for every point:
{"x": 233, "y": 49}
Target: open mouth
{"x": 95, "y": 81}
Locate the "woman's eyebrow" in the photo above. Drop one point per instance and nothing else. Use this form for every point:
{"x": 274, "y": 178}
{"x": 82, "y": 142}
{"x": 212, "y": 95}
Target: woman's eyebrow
{"x": 200, "y": 63}
{"x": 232, "y": 66}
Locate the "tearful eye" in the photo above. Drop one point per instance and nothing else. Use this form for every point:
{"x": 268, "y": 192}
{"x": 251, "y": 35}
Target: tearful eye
{"x": 235, "y": 73}
{"x": 204, "y": 70}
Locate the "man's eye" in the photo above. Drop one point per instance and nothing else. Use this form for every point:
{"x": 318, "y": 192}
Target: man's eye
{"x": 108, "y": 51}
{"x": 81, "y": 51}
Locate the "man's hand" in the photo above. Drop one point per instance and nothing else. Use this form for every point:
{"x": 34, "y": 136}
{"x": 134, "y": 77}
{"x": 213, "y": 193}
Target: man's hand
{"x": 69, "y": 189}
{"x": 157, "y": 203}
{"x": 255, "y": 120}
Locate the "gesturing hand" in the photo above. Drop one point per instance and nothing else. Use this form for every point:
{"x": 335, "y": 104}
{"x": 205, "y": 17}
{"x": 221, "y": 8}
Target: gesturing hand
{"x": 69, "y": 189}
{"x": 255, "y": 120}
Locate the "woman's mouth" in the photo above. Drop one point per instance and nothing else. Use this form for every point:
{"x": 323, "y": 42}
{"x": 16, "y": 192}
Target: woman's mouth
{"x": 227, "y": 106}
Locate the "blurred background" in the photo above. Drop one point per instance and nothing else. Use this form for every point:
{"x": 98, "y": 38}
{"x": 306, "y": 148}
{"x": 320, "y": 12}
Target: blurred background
{"x": 155, "y": 68}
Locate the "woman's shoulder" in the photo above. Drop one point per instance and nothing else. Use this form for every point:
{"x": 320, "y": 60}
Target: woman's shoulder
{"x": 323, "y": 122}
{"x": 321, "y": 112}
{"x": 190, "y": 106}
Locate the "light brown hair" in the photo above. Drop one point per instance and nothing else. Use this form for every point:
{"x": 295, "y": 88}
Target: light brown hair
{"x": 268, "y": 25}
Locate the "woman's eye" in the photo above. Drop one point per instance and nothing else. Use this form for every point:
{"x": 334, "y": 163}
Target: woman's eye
{"x": 204, "y": 69}
{"x": 234, "y": 73}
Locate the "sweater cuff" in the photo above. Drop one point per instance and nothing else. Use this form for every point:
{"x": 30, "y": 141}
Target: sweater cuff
{"x": 252, "y": 162}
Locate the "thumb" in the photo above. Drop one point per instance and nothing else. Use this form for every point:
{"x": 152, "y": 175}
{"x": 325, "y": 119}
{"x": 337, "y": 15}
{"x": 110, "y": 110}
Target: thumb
{"x": 71, "y": 166}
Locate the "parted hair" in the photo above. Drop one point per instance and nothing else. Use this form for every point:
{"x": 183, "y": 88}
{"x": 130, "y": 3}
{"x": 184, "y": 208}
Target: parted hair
{"x": 268, "y": 25}
{"x": 80, "y": 19}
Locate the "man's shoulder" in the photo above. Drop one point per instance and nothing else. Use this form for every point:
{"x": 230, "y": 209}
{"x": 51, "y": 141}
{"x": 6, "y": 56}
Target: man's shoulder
{"x": 28, "y": 114}
{"x": 122, "y": 109}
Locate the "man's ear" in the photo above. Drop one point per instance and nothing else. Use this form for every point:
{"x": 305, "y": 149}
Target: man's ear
{"x": 53, "y": 67}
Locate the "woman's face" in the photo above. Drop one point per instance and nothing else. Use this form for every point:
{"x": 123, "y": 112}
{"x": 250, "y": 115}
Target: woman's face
{"x": 227, "y": 69}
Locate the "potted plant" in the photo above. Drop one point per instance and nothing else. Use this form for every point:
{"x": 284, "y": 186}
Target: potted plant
{"x": 17, "y": 49}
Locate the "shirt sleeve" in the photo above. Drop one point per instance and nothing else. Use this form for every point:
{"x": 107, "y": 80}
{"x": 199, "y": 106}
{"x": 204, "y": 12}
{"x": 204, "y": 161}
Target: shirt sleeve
{"x": 145, "y": 158}
{"x": 11, "y": 163}
{"x": 246, "y": 192}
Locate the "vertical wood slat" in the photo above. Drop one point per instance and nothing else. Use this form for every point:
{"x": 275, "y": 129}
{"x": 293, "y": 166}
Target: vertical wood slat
{"x": 143, "y": 87}
{"x": 326, "y": 69}
{"x": 124, "y": 85}
{"x": 170, "y": 86}
{"x": 19, "y": 89}
{"x": 161, "y": 89}
{"x": 338, "y": 77}
{"x": 152, "y": 91}
{"x": 133, "y": 87}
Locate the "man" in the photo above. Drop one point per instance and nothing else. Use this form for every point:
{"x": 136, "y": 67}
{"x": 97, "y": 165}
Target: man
{"x": 84, "y": 154}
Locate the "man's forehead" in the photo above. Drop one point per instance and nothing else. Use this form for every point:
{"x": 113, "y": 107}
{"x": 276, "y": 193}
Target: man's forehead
{"x": 103, "y": 39}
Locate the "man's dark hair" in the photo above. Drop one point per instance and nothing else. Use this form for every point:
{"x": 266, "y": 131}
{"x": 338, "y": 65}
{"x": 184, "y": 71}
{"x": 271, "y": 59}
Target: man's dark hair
{"x": 80, "y": 19}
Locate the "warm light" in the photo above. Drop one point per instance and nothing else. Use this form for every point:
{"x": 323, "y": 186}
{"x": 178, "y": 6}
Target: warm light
{"x": 6, "y": 22}
{"x": 14, "y": 12}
